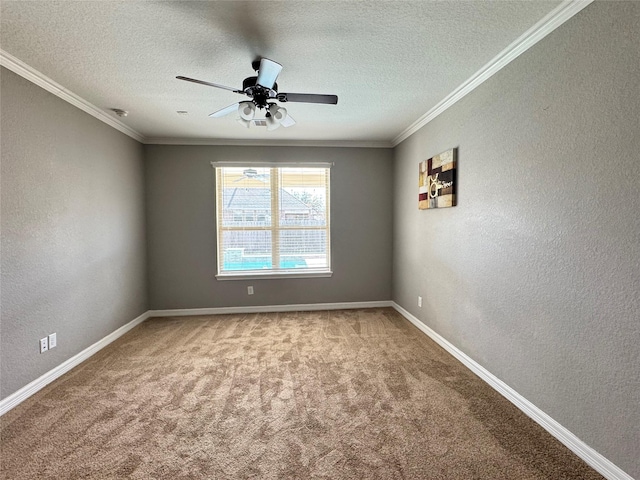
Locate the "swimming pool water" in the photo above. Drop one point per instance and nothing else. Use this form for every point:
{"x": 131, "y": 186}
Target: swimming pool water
{"x": 259, "y": 263}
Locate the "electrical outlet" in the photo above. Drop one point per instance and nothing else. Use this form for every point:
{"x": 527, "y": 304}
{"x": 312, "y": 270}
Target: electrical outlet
{"x": 419, "y": 301}
{"x": 44, "y": 344}
{"x": 53, "y": 341}
{"x": 250, "y": 290}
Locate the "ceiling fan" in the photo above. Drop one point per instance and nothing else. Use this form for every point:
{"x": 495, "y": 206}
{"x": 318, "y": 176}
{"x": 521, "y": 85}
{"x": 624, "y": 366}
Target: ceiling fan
{"x": 263, "y": 92}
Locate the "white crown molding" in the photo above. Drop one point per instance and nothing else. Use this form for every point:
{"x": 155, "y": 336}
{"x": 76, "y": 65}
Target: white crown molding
{"x": 29, "y": 73}
{"x": 537, "y": 32}
{"x": 19, "y": 67}
{"x": 304, "y": 307}
{"x": 39, "y": 383}
{"x": 596, "y": 460}
{"x": 267, "y": 143}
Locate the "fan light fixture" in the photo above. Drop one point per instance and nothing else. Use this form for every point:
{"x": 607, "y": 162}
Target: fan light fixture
{"x": 245, "y": 123}
{"x": 247, "y": 110}
{"x": 275, "y": 116}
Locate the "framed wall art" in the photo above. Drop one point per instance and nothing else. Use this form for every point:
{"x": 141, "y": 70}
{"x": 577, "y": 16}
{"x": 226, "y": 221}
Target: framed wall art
{"x": 437, "y": 181}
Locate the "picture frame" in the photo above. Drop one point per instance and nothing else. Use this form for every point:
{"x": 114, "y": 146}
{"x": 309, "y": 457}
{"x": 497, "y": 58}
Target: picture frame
{"x": 437, "y": 182}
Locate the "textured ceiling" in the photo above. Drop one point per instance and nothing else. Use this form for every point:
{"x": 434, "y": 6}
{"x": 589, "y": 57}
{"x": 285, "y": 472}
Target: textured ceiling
{"x": 389, "y": 62}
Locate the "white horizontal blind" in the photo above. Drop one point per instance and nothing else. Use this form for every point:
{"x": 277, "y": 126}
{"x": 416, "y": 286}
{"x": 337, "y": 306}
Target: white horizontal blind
{"x": 273, "y": 219}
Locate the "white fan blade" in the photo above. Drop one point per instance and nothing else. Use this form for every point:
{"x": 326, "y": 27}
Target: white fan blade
{"x": 288, "y": 121}
{"x": 225, "y": 111}
{"x": 202, "y": 82}
{"x": 268, "y": 73}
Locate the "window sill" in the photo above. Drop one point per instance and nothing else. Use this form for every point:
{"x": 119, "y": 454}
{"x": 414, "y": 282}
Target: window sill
{"x": 272, "y": 275}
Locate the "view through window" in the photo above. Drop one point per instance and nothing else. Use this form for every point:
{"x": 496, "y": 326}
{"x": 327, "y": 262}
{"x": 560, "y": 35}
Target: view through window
{"x": 273, "y": 220}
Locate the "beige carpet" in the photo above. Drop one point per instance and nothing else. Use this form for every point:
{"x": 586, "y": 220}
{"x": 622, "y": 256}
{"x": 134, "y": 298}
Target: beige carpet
{"x": 355, "y": 394}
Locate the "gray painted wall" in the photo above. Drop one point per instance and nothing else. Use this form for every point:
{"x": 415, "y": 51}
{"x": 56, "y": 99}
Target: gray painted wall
{"x": 73, "y": 230}
{"x": 182, "y": 238}
{"x": 536, "y": 273}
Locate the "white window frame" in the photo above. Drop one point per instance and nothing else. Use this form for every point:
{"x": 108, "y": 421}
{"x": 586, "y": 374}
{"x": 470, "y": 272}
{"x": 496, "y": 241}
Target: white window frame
{"x": 275, "y": 228}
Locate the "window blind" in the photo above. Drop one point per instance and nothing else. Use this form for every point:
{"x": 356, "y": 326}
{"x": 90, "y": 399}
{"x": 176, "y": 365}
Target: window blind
{"x": 272, "y": 219}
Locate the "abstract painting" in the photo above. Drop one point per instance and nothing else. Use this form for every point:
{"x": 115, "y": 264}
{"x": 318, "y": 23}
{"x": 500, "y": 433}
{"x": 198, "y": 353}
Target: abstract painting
{"x": 437, "y": 181}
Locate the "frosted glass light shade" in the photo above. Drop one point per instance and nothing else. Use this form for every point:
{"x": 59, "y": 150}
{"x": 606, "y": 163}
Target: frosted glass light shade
{"x": 247, "y": 110}
{"x": 276, "y": 116}
{"x": 246, "y": 123}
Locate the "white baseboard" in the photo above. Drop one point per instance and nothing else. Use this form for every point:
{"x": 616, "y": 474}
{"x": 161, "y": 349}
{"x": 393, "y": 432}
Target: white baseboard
{"x": 39, "y": 383}
{"x": 268, "y": 308}
{"x": 598, "y": 462}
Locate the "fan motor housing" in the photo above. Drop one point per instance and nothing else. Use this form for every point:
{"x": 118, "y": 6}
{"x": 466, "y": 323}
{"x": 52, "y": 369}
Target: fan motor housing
{"x": 260, "y": 94}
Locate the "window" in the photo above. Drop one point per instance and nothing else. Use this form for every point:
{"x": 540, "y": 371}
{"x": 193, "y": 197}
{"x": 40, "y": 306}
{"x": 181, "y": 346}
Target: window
{"x": 272, "y": 220}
